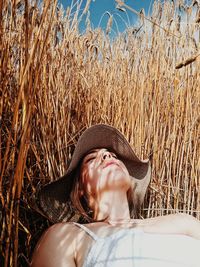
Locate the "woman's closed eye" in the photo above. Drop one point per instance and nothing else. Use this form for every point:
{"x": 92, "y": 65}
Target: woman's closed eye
{"x": 89, "y": 159}
{"x": 114, "y": 156}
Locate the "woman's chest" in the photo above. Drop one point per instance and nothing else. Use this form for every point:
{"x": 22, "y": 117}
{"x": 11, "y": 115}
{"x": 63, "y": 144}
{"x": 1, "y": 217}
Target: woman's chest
{"x": 128, "y": 248}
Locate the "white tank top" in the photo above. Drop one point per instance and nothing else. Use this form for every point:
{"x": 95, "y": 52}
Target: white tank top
{"x": 135, "y": 248}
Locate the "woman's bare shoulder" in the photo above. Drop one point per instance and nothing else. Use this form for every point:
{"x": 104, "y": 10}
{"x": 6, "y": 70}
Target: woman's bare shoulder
{"x": 58, "y": 232}
{"x": 180, "y": 223}
{"x": 56, "y": 246}
{"x": 60, "y": 228}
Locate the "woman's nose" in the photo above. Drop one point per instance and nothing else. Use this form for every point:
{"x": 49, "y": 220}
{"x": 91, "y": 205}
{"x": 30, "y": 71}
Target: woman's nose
{"x": 106, "y": 155}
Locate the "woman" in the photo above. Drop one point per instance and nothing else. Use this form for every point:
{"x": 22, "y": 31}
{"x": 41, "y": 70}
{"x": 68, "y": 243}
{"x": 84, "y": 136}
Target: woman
{"x": 104, "y": 186}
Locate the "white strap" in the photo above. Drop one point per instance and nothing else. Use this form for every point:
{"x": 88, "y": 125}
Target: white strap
{"x": 88, "y": 231}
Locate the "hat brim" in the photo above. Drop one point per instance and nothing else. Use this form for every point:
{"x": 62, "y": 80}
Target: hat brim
{"x": 54, "y": 197}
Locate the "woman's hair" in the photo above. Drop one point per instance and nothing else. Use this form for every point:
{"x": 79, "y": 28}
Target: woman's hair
{"x": 80, "y": 201}
{"x": 134, "y": 208}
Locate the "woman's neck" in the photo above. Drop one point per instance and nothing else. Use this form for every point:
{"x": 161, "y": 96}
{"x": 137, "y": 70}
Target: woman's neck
{"x": 112, "y": 206}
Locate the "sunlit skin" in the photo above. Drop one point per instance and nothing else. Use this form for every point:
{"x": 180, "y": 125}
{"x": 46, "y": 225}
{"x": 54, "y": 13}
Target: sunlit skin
{"x": 106, "y": 181}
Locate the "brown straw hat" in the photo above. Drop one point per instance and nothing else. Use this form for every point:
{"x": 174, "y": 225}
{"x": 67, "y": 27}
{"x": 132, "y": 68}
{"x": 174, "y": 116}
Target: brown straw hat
{"x": 54, "y": 198}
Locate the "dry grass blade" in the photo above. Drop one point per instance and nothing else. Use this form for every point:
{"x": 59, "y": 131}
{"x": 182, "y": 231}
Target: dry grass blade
{"x": 187, "y": 61}
{"x": 140, "y": 14}
{"x": 109, "y": 24}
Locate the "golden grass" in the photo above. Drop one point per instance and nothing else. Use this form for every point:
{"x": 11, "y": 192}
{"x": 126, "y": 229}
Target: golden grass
{"x": 55, "y": 82}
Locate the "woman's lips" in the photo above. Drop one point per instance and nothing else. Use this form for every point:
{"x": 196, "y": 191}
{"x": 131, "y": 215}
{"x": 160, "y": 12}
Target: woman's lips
{"x": 110, "y": 163}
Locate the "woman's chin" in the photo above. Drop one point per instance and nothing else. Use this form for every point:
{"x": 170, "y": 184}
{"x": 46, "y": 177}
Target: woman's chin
{"x": 120, "y": 181}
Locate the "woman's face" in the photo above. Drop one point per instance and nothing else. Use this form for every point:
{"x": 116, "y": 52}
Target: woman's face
{"x": 102, "y": 171}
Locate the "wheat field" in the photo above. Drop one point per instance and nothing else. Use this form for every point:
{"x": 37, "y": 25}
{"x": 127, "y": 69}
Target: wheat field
{"x": 56, "y": 81}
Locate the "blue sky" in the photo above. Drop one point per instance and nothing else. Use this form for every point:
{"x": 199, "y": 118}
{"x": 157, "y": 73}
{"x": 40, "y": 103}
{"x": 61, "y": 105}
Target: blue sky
{"x": 122, "y": 19}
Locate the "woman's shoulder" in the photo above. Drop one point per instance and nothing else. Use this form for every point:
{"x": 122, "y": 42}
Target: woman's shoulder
{"x": 56, "y": 243}
{"x": 58, "y": 231}
{"x": 63, "y": 227}
{"x": 180, "y": 223}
